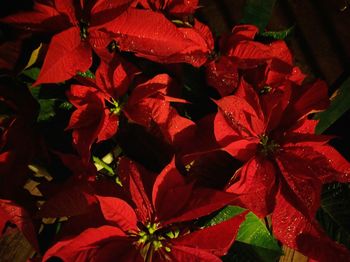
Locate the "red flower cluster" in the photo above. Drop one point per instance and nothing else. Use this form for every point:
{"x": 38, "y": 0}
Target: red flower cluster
{"x": 263, "y": 120}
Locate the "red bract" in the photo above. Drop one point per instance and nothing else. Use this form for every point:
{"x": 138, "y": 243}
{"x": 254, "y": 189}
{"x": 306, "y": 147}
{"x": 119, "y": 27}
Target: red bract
{"x": 98, "y": 105}
{"x": 151, "y": 35}
{"x": 264, "y": 66}
{"x": 149, "y": 105}
{"x": 178, "y": 8}
{"x": 283, "y": 157}
{"x": 153, "y": 232}
{"x": 77, "y": 26}
{"x": 92, "y": 120}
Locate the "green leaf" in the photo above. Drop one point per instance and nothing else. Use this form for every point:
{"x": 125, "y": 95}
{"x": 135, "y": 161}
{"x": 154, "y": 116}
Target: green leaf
{"x": 87, "y": 74}
{"x": 339, "y": 105}
{"x": 102, "y": 165}
{"x": 253, "y": 231}
{"x": 51, "y": 100}
{"x": 32, "y": 73}
{"x": 258, "y": 12}
{"x": 243, "y": 252}
{"x": 278, "y": 35}
{"x": 47, "y": 109}
{"x": 66, "y": 105}
{"x": 334, "y": 212}
{"x": 253, "y": 235}
{"x": 224, "y": 214}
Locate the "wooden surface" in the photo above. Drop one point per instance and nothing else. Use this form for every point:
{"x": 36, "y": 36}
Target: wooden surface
{"x": 14, "y": 247}
{"x": 291, "y": 255}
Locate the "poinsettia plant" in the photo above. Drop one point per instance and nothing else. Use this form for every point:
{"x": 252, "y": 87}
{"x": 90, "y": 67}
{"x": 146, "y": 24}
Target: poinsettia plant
{"x": 131, "y": 133}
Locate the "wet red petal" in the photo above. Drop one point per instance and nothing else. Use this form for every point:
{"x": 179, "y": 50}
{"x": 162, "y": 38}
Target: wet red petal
{"x": 117, "y": 212}
{"x": 67, "y": 55}
{"x": 255, "y": 183}
{"x": 216, "y": 239}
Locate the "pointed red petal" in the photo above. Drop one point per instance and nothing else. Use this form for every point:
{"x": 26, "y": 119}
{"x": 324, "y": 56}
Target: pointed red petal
{"x": 105, "y": 11}
{"x": 306, "y": 126}
{"x": 131, "y": 174}
{"x": 297, "y": 76}
{"x": 175, "y": 128}
{"x": 337, "y": 162}
{"x": 78, "y": 94}
{"x": 324, "y": 162}
{"x": 170, "y": 192}
{"x": 171, "y": 99}
{"x": 247, "y": 92}
{"x": 308, "y": 99}
{"x": 241, "y": 116}
{"x": 274, "y": 105}
{"x": 108, "y": 126}
{"x": 85, "y": 116}
{"x": 250, "y": 54}
{"x": 203, "y": 201}
{"x": 71, "y": 201}
{"x": 239, "y": 33}
{"x": 69, "y": 9}
{"x": 115, "y": 76}
{"x": 305, "y": 140}
{"x": 216, "y": 239}
{"x": 182, "y": 7}
{"x": 188, "y": 254}
{"x": 43, "y": 18}
{"x": 89, "y": 119}
{"x": 103, "y": 5}
{"x": 157, "y": 84}
{"x": 301, "y": 175}
{"x": 281, "y": 64}
{"x": 152, "y": 36}
{"x": 89, "y": 245}
{"x": 242, "y": 148}
{"x": 255, "y": 185}
{"x": 67, "y": 55}
{"x": 222, "y": 75}
{"x": 296, "y": 231}
{"x": 117, "y": 212}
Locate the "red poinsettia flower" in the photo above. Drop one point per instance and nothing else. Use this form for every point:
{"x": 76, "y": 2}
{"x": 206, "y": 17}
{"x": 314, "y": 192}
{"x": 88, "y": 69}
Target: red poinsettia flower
{"x": 92, "y": 120}
{"x": 77, "y": 24}
{"x": 97, "y": 103}
{"x": 285, "y": 162}
{"x": 262, "y": 65}
{"x": 153, "y": 231}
